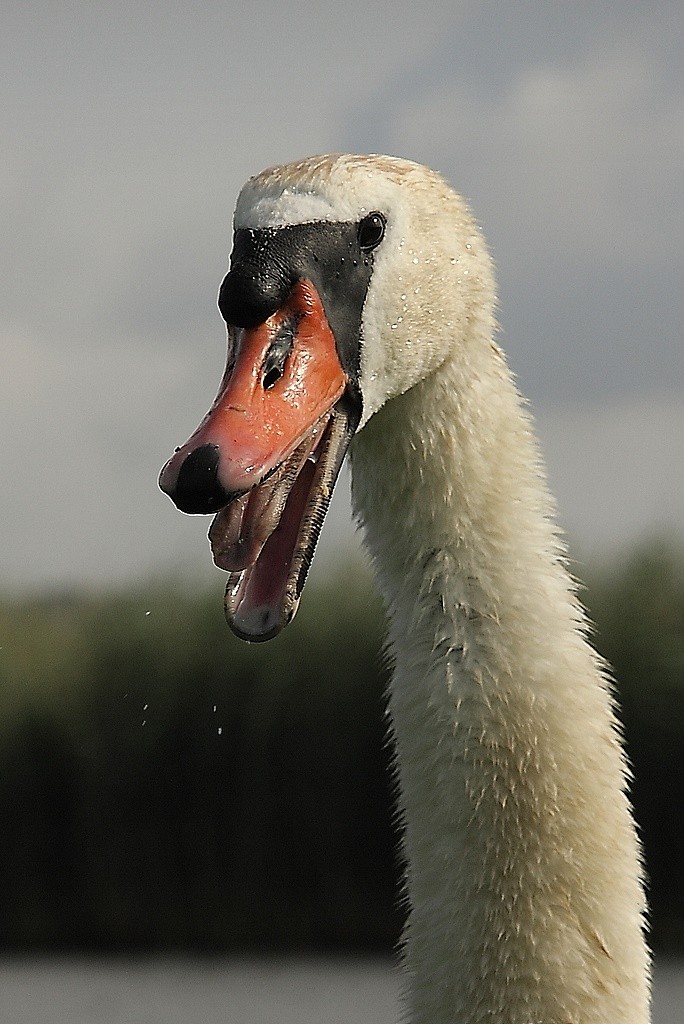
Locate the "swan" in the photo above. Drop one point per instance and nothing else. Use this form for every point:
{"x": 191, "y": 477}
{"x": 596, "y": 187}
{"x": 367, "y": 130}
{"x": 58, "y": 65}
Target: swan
{"x": 360, "y": 314}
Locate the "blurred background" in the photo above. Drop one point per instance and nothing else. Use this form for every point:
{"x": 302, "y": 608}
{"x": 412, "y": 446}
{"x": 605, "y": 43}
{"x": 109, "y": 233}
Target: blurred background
{"x": 163, "y": 788}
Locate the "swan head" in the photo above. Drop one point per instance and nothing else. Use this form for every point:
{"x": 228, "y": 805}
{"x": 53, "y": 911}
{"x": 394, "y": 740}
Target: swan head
{"x": 352, "y": 278}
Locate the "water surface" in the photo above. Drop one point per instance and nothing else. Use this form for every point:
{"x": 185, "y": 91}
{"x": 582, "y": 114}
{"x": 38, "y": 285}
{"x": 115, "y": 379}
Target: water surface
{"x": 234, "y": 991}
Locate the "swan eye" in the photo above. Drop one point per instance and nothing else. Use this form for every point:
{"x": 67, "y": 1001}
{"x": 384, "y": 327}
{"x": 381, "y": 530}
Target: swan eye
{"x": 371, "y": 231}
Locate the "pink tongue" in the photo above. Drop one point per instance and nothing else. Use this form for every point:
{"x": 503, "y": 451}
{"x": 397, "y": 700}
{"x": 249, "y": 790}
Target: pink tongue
{"x": 255, "y": 537}
{"x": 233, "y": 548}
{"x": 267, "y": 579}
{"x": 243, "y": 527}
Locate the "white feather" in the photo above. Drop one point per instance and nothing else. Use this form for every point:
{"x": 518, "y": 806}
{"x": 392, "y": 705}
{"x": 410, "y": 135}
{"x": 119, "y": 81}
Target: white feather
{"x": 522, "y": 865}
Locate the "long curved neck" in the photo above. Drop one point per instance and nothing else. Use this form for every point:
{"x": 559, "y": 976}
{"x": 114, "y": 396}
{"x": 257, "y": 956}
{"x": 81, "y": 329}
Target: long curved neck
{"x": 522, "y": 866}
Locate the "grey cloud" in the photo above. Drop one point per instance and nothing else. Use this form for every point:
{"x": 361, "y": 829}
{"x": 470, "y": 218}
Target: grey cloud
{"x": 127, "y": 132}
{"x": 570, "y": 145}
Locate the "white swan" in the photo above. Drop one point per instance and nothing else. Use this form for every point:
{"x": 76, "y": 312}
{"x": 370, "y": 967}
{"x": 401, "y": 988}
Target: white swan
{"x": 360, "y": 302}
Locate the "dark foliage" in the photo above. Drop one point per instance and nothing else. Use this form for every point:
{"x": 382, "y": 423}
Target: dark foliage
{"x": 164, "y": 785}
{"x": 638, "y": 609}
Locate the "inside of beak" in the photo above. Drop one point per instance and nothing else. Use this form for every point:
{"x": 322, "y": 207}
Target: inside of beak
{"x": 263, "y": 596}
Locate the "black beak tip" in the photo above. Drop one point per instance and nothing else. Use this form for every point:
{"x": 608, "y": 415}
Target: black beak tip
{"x": 197, "y": 490}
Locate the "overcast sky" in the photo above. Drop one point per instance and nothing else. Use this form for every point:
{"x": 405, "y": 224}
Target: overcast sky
{"x": 127, "y": 129}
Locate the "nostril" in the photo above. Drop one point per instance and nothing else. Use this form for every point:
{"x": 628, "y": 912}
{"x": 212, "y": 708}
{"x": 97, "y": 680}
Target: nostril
{"x": 272, "y": 377}
{"x": 278, "y": 351}
{"x": 197, "y": 489}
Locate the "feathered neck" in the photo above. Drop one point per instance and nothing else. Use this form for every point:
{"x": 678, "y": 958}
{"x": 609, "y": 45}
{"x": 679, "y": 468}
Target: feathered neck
{"x": 523, "y": 873}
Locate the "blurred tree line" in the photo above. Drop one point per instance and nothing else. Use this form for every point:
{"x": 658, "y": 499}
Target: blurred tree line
{"x": 164, "y": 785}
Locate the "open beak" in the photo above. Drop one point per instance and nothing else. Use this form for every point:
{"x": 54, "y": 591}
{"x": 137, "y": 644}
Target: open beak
{"x": 266, "y": 458}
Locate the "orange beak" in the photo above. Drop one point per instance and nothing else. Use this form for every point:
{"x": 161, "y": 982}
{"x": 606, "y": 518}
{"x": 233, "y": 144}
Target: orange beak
{"x": 266, "y": 457}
